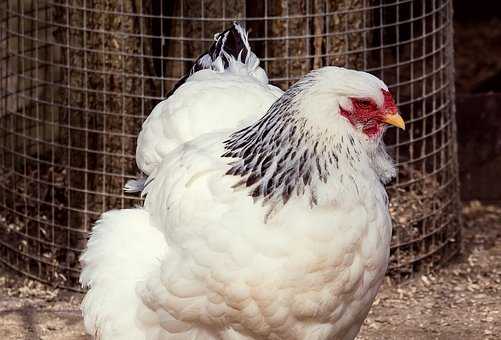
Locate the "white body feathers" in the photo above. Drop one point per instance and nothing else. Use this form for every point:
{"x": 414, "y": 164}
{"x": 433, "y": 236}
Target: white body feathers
{"x": 123, "y": 249}
{"x": 304, "y": 274}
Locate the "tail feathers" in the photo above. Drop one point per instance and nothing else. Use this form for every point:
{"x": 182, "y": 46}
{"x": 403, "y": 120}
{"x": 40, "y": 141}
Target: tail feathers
{"x": 233, "y": 42}
{"x": 121, "y": 252}
{"x": 228, "y": 46}
{"x": 135, "y": 185}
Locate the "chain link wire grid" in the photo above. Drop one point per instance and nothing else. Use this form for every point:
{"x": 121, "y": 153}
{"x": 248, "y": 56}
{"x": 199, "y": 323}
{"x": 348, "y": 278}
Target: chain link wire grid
{"x": 78, "y": 77}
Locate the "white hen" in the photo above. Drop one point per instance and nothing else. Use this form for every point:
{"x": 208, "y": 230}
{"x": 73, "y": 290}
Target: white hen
{"x": 277, "y": 231}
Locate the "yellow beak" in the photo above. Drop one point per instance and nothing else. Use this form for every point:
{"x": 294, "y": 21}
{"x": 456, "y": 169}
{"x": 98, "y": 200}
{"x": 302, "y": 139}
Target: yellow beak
{"x": 394, "y": 119}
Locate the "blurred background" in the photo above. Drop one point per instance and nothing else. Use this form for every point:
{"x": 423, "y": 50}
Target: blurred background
{"x": 77, "y": 78}
{"x": 478, "y": 87}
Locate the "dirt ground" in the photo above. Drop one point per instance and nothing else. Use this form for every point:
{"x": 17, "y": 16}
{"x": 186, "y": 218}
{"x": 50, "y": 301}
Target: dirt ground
{"x": 462, "y": 301}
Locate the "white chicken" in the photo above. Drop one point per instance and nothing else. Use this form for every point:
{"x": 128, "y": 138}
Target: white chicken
{"x": 265, "y": 214}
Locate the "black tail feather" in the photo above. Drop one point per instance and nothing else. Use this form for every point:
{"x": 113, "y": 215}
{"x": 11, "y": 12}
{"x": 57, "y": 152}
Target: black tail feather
{"x": 233, "y": 41}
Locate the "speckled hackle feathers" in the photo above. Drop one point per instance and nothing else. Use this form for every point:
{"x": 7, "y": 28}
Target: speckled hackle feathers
{"x": 275, "y": 173}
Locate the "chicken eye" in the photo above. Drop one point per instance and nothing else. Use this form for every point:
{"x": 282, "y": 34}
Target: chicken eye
{"x": 364, "y": 104}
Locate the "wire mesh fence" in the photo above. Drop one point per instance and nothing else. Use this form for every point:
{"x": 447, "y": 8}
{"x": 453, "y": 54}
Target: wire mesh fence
{"x": 78, "y": 78}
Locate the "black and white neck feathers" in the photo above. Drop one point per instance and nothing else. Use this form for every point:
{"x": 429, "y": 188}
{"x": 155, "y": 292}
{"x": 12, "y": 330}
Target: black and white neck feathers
{"x": 288, "y": 153}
